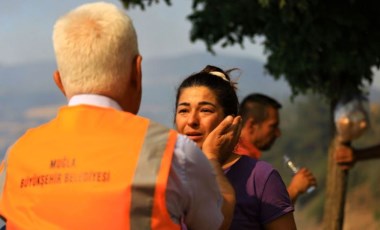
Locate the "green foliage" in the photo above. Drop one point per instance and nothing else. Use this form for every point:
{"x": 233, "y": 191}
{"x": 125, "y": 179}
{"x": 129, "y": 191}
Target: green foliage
{"x": 377, "y": 215}
{"x": 326, "y": 47}
{"x": 141, "y": 3}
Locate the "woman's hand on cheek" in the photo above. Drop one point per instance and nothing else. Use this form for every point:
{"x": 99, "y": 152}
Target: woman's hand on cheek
{"x": 220, "y": 143}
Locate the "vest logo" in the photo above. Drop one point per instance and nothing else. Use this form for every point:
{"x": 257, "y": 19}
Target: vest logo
{"x": 64, "y": 174}
{"x": 62, "y": 163}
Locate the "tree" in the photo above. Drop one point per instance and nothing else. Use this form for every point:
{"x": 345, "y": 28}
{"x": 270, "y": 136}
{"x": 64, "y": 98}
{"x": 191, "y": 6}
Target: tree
{"x": 324, "y": 47}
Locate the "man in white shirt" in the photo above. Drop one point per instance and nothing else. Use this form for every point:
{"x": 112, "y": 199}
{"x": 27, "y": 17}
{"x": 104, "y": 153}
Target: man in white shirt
{"x": 97, "y": 164}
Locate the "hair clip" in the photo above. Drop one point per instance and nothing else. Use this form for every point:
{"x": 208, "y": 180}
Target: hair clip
{"x": 219, "y": 74}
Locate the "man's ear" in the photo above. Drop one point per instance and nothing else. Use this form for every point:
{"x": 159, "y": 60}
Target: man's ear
{"x": 251, "y": 124}
{"x": 137, "y": 72}
{"x": 58, "y": 81}
{"x": 133, "y": 89}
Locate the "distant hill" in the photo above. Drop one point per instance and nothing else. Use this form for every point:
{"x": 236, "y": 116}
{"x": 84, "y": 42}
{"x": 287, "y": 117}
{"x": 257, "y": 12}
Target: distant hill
{"x": 26, "y": 86}
{"x": 31, "y": 85}
{"x": 28, "y": 95}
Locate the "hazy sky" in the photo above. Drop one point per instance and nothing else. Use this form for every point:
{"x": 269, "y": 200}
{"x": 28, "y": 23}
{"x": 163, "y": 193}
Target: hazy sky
{"x": 26, "y": 27}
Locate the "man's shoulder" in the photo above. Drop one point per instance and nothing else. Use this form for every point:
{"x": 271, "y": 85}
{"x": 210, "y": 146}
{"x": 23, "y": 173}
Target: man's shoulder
{"x": 33, "y": 130}
{"x": 156, "y": 124}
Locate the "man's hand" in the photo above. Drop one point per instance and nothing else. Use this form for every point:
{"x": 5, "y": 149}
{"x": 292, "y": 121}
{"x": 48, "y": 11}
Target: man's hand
{"x": 301, "y": 181}
{"x": 220, "y": 143}
{"x": 344, "y": 156}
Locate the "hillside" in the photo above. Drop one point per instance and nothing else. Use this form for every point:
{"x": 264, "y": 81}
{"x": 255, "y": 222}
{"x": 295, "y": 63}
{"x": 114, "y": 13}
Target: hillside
{"x": 28, "y": 95}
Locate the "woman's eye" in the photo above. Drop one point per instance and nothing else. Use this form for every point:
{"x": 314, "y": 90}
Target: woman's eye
{"x": 206, "y": 110}
{"x": 182, "y": 111}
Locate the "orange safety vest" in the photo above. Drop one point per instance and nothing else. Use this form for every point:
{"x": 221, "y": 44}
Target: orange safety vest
{"x": 90, "y": 168}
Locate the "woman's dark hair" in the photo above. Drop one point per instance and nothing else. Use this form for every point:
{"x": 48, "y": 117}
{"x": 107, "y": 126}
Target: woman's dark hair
{"x": 219, "y": 82}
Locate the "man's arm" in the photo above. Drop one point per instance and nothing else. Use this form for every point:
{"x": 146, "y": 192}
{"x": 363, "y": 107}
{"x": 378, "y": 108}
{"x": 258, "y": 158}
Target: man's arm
{"x": 194, "y": 195}
{"x": 2, "y": 177}
{"x": 285, "y": 222}
{"x": 346, "y": 156}
{"x": 3, "y": 172}
{"x": 300, "y": 182}
{"x": 367, "y": 153}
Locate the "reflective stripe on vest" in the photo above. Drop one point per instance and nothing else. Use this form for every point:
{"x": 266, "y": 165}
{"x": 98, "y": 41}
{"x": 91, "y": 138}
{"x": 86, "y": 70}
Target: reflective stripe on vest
{"x": 147, "y": 172}
{"x": 3, "y": 173}
{"x": 90, "y": 168}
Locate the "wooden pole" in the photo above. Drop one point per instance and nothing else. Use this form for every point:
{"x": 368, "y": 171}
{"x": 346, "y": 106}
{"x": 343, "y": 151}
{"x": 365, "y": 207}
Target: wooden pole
{"x": 336, "y": 188}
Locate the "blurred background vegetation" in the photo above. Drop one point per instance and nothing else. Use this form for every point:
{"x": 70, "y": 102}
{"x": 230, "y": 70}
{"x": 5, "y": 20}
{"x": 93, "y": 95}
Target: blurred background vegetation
{"x": 304, "y": 139}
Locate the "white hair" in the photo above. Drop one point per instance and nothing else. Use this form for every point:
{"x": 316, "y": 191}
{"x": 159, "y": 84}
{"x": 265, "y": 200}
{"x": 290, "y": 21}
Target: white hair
{"x": 95, "y": 45}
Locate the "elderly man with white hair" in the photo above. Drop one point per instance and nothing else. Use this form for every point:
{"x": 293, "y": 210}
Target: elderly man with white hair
{"x": 97, "y": 165}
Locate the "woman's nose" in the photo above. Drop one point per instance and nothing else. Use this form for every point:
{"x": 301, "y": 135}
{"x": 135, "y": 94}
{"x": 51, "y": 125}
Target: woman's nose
{"x": 193, "y": 120}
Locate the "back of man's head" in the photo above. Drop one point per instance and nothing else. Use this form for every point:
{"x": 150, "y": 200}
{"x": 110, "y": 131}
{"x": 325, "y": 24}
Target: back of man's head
{"x": 255, "y": 105}
{"x": 95, "y": 45}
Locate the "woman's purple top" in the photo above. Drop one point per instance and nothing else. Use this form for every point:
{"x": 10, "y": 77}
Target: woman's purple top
{"x": 261, "y": 195}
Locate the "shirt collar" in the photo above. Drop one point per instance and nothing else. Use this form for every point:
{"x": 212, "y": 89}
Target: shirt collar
{"x": 95, "y": 100}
